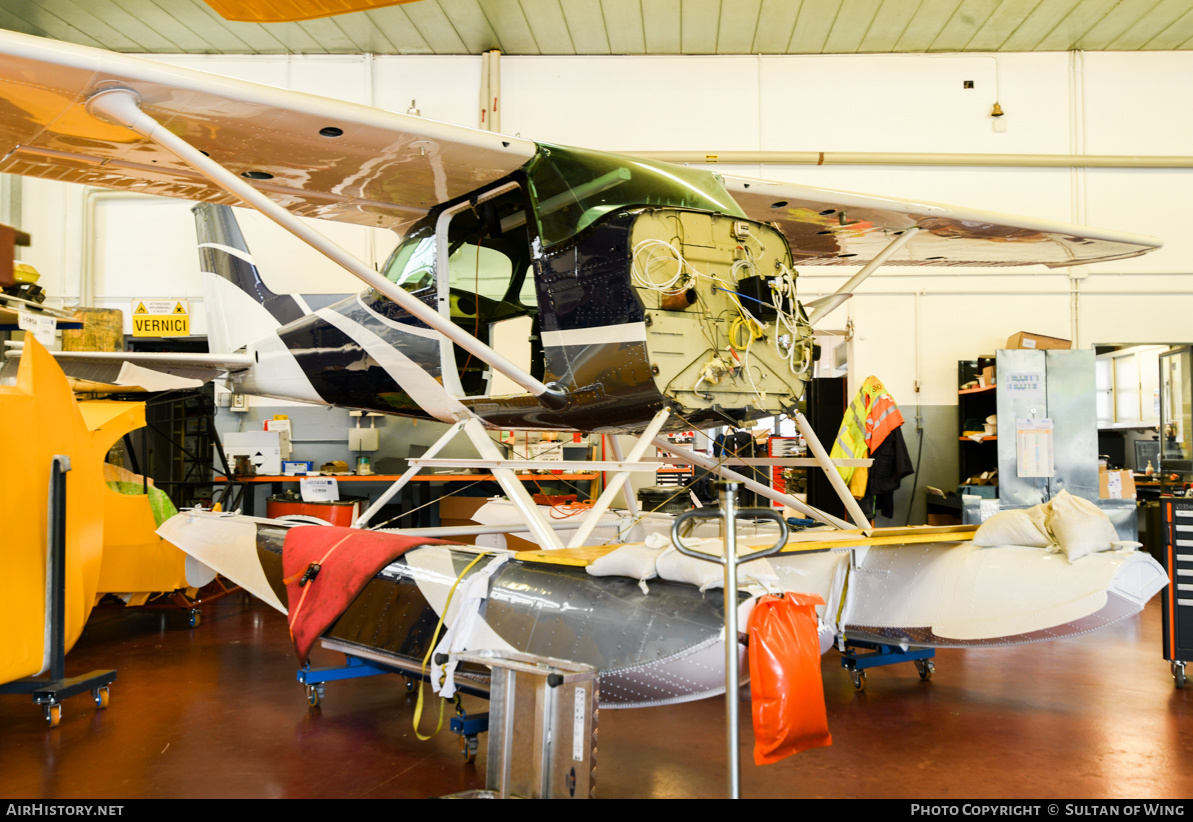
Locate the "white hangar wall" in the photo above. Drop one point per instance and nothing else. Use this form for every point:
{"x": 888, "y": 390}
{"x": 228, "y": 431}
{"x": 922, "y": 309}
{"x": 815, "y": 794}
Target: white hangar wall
{"x": 910, "y": 326}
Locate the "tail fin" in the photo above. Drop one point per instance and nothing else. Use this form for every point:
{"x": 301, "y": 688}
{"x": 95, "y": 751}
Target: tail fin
{"x": 240, "y": 308}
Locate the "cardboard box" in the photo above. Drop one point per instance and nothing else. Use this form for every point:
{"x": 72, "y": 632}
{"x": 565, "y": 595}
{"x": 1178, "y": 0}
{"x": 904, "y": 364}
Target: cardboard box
{"x": 1026, "y": 339}
{"x": 1116, "y": 485}
{"x": 518, "y": 544}
{"x": 456, "y": 510}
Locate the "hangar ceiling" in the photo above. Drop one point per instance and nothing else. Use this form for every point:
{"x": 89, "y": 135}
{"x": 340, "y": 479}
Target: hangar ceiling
{"x": 624, "y": 26}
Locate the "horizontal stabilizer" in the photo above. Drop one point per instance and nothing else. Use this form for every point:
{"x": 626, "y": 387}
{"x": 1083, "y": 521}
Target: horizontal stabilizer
{"x": 148, "y": 371}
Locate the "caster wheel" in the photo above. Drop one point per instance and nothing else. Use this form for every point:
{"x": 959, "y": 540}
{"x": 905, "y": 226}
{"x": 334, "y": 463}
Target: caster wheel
{"x": 926, "y": 667}
{"x": 53, "y": 714}
{"x": 859, "y": 679}
{"x": 469, "y": 745}
{"x": 100, "y": 695}
{"x": 1178, "y": 674}
{"x": 196, "y": 617}
{"x": 315, "y": 694}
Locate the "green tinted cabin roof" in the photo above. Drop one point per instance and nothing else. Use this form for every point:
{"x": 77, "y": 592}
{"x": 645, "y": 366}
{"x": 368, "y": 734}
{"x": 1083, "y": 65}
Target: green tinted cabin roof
{"x": 572, "y": 188}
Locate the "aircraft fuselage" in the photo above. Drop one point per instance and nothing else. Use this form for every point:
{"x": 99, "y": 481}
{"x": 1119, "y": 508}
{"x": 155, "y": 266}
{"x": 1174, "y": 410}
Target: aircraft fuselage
{"x": 627, "y": 306}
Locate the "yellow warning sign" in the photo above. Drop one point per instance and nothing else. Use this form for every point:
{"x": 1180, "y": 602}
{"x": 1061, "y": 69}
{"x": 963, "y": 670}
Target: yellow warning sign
{"x": 161, "y": 318}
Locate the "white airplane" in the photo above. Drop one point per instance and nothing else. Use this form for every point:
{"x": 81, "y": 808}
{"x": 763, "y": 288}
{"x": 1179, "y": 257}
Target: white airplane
{"x": 541, "y": 286}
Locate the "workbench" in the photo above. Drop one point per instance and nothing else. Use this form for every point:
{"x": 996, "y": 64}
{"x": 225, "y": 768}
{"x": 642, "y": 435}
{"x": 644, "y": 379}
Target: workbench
{"x": 416, "y": 494}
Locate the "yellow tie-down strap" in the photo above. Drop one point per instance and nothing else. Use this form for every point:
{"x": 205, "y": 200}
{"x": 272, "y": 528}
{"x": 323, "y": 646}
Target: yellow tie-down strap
{"x": 799, "y": 542}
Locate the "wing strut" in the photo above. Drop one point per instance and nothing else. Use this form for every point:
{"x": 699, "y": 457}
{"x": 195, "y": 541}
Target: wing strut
{"x": 619, "y": 479}
{"x": 826, "y": 305}
{"x": 122, "y": 106}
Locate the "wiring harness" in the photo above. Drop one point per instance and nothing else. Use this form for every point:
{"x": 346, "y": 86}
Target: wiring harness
{"x": 660, "y": 266}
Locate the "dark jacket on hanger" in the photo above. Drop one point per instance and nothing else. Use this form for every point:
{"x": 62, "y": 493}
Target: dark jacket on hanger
{"x": 892, "y": 463}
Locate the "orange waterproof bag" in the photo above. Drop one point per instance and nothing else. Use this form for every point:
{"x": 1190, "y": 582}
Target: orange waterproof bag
{"x": 788, "y": 695}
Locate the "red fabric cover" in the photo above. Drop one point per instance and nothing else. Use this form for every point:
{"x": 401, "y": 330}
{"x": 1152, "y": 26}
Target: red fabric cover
{"x": 785, "y": 685}
{"x": 341, "y": 578}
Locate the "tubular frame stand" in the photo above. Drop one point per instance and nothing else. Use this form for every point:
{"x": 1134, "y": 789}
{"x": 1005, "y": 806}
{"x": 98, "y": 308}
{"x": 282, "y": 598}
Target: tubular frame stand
{"x": 728, "y": 513}
{"x": 50, "y": 692}
{"x": 493, "y": 460}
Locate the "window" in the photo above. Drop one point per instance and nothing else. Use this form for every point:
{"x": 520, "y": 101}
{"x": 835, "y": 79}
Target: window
{"x": 478, "y": 270}
{"x": 488, "y": 255}
{"x": 412, "y": 264}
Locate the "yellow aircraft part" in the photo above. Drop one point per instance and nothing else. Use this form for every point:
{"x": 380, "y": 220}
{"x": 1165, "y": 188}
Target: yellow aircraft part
{"x": 797, "y": 543}
{"x": 135, "y": 559}
{"x": 38, "y": 420}
{"x": 290, "y": 11}
{"x": 25, "y": 273}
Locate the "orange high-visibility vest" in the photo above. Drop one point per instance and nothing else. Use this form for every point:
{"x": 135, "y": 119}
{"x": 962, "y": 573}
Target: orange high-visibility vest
{"x": 871, "y": 416}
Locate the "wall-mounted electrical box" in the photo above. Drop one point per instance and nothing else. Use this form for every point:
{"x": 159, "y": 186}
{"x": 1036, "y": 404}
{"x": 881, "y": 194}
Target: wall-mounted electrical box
{"x": 364, "y": 439}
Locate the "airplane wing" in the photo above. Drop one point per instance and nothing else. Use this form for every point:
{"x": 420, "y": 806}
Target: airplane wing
{"x": 341, "y": 161}
{"x": 826, "y": 227}
{"x": 317, "y": 157}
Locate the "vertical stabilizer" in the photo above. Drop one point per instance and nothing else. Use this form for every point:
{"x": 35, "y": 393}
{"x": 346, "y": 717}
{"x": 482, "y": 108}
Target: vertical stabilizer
{"x": 240, "y": 308}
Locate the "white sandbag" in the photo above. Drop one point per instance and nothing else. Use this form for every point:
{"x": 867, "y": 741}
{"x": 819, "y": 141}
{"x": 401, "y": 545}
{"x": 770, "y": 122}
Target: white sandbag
{"x": 1020, "y": 526}
{"x": 633, "y": 561}
{"x": 658, "y": 541}
{"x": 1079, "y": 526}
{"x": 705, "y": 574}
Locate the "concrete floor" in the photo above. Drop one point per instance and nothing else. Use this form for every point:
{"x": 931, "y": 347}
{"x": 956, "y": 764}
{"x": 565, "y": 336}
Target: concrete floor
{"x": 215, "y": 711}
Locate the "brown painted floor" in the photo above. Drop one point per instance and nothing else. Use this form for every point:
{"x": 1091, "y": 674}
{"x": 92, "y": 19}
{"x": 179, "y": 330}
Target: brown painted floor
{"x": 216, "y": 712}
